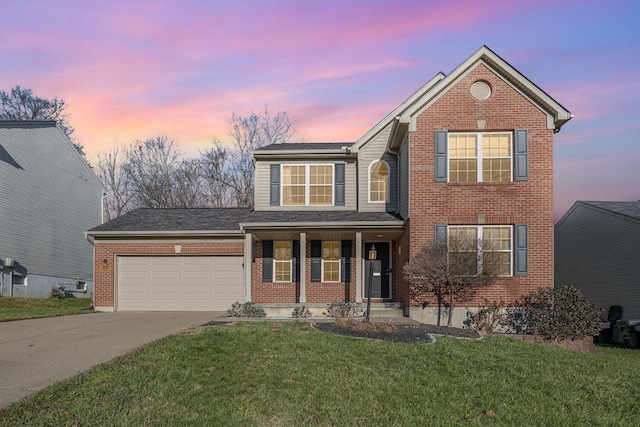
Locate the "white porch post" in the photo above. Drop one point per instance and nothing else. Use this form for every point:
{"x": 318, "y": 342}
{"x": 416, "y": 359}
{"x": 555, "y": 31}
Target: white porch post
{"x": 248, "y": 246}
{"x": 359, "y": 284}
{"x": 303, "y": 267}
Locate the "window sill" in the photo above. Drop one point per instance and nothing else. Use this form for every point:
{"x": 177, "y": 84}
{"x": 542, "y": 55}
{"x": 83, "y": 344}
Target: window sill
{"x": 481, "y": 184}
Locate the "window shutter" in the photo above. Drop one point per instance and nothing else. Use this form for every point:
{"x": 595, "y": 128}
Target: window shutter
{"x": 522, "y": 154}
{"x": 339, "y": 171}
{"x": 267, "y": 261}
{"x": 522, "y": 250}
{"x": 346, "y": 261}
{"x": 440, "y": 233}
{"x": 441, "y": 156}
{"x": 295, "y": 261}
{"x": 274, "y": 185}
{"x": 316, "y": 260}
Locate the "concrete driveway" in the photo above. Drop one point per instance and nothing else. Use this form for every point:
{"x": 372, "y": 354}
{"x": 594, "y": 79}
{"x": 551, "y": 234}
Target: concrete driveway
{"x": 36, "y": 353}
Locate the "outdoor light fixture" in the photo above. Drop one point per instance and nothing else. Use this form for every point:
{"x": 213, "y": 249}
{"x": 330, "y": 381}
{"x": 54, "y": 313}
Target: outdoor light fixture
{"x": 9, "y": 262}
{"x": 373, "y": 254}
{"x": 105, "y": 263}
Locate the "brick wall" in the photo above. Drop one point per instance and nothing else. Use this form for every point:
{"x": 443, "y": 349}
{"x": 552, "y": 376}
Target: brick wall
{"x": 289, "y": 292}
{"x": 105, "y": 257}
{"x": 524, "y": 202}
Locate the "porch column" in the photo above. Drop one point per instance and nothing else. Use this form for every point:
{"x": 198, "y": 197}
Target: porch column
{"x": 359, "y": 284}
{"x": 248, "y": 245}
{"x": 303, "y": 267}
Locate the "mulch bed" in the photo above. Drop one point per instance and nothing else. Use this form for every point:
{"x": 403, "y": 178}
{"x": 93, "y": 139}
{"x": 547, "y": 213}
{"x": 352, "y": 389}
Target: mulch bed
{"x": 398, "y": 333}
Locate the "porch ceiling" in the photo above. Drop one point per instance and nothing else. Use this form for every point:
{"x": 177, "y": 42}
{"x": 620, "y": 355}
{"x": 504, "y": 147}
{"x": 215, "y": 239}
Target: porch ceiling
{"x": 369, "y": 235}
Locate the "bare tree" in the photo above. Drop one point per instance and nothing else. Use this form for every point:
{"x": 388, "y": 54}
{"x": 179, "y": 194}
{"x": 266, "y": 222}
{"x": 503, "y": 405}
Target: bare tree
{"x": 216, "y": 175}
{"x": 21, "y": 104}
{"x": 249, "y": 132}
{"x": 453, "y": 270}
{"x": 111, "y": 172}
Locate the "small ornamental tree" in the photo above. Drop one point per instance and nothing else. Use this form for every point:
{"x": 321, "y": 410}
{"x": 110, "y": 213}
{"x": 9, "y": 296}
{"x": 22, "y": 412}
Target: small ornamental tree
{"x": 454, "y": 269}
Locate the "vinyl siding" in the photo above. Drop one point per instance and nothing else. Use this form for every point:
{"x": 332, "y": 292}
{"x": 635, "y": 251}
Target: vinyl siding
{"x": 376, "y": 150}
{"x": 262, "y": 186}
{"x": 600, "y": 253}
{"x": 48, "y": 198}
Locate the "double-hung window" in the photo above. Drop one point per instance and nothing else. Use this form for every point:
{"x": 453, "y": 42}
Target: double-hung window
{"x": 307, "y": 185}
{"x": 474, "y": 249}
{"x": 480, "y": 157}
{"x": 282, "y": 263}
{"x": 330, "y": 261}
{"x": 378, "y": 182}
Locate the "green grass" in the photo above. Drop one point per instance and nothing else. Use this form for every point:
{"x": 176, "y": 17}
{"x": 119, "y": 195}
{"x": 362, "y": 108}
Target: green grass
{"x": 14, "y": 308}
{"x": 285, "y": 374}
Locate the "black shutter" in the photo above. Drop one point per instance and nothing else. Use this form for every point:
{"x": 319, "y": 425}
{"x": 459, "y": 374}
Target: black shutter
{"x": 295, "y": 258}
{"x": 522, "y": 250}
{"x": 316, "y": 260}
{"x": 274, "y": 185}
{"x": 440, "y": 234}
{"x": 267, "y": 261}
{"x": 345, "y": 261}
{"x": 521, "y": 154}
{"x": 339, "y": 169}
{"x": 441, "y": 156}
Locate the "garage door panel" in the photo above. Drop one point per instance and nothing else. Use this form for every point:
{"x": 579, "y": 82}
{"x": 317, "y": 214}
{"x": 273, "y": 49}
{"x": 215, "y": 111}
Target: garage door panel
{"x": 179, "y": 283}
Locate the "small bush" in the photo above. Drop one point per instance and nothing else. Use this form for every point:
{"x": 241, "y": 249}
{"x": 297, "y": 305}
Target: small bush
{"x": 300, "y": 312}
{"x": 490, "y": 318}
{"x": 556, "y": 314}
{"x": 344, "y": 310}
{"x": 245, "y": 310}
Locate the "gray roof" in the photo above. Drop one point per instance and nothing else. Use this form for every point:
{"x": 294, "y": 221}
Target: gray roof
{"x": 227, "y": 219}
{"x": 306, "y": 146}
{"x": 630, "y": 209}
{"x": 147, "y": 219}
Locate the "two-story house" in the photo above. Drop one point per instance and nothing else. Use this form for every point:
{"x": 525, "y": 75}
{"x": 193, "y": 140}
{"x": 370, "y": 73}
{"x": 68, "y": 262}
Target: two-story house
{"x": 469, "y": 153}
{"x": 49, "y": 196}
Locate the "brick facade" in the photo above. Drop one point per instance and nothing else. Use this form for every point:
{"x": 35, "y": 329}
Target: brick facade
{"x": 518, "y": 202}
{"x": 106, "y": 254}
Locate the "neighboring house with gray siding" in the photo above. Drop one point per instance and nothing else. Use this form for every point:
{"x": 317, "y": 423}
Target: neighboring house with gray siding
{"x": 597, "y": 248}
{"x": 48, "y": 196}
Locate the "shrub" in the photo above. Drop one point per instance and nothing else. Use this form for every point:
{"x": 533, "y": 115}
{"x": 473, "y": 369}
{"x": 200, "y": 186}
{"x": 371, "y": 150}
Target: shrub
{"x": 300, "y": 312}
{"x": 344, "y": 310}
{"x": 490, "y": 318}
{"x": 556, "y": 314}
{"x": 245, "y": 310}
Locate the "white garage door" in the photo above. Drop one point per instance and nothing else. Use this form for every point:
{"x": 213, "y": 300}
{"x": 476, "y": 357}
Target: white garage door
{"x": 179, "y": 283}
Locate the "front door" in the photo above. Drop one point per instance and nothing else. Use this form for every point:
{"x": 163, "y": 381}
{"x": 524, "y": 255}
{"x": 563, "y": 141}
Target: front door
{"x": 384, "y": 290}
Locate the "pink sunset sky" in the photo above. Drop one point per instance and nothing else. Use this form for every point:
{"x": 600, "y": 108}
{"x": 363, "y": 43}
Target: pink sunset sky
{"x": 138, "y": 69}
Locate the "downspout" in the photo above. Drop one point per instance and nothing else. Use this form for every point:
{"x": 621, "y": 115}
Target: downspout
{"x": 394, "y": 131}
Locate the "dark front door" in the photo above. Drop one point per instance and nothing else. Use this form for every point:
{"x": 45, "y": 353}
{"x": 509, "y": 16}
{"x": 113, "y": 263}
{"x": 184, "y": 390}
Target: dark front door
{"x": 383, "y": 290}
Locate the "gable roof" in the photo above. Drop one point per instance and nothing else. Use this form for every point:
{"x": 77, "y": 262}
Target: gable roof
{"x": 626, "y": 210}
{"x": 404, "y": 116}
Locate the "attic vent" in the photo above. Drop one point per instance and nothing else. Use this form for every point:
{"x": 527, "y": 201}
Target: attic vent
{"x": 480, "y": 90}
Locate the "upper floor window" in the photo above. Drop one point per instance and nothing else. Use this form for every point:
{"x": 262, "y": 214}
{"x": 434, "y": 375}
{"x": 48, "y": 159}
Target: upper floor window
{"x": 480, "y": 157}
{"x": 307, "y": 185}
{"x": 378, "y": 182}
{"x": 282, "y": 261}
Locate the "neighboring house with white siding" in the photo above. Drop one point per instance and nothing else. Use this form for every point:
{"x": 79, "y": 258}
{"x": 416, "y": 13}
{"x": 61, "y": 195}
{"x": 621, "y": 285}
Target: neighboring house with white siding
{"x": 468, "y": 153}
{"x": 48, "y": 197}
{"x": 597, "y": 248}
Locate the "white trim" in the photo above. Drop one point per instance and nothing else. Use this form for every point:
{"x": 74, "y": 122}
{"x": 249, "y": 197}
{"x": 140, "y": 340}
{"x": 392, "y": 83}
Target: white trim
{"x": 369, "y": 181}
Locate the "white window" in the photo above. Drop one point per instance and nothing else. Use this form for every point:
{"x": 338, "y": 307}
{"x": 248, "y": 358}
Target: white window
{"x": 379, "y": 182}
{"x": 282, "y": 261}
{"x": 472, "y": 248}
{"x": 480, "y": 157}
{"x": 330, "y": 261}
{"x": 307, "y": 185}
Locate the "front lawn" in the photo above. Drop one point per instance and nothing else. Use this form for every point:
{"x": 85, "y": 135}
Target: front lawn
{"x": 15, "y": 308}
{"x": 285, "y": 374}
